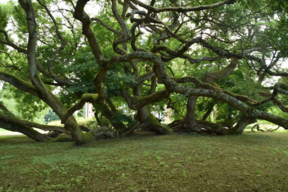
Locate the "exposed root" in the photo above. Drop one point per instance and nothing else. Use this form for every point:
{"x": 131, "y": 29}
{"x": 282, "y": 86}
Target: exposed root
{"x": 207, "y": 127}
{"x": 96, "y": 133}
{"x": 178, "y": 126}
{"x": 103, "y": 133}
{"x": 130, "y": 130}
{"x": 54, "y": 134}
{"x": 63, "y": 137}
{"x": 257, "y": 126}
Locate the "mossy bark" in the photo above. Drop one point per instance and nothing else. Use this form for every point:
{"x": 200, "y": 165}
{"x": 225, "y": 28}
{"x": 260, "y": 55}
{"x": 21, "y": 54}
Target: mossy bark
{"x": 241, "y": 125}
{"x": 109, "y": 115}
{"x": 108, "y": 112}
{"x": 190, "y": 114}
{"x": 210, "y": 77}
{"x": 28, "y": 131}
{"x": 46, "y": 95}
{"x": 201, "y": 126}
{"x": 96, "y": 133}
{"x": 172, "y": 86}
{"x": 149, "y": 122}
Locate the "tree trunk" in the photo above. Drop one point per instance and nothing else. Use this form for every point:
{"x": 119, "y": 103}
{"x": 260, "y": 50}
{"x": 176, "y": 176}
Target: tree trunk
{"x": 241, "y": 125}
{"x": 109, "y": 115}
{"x": 210, "y": 77}
{"x": 207, "y": 114}
{"x": 149, "y": 122}
{"x": 190, "y": 113}
{"x": 97, "y": 118}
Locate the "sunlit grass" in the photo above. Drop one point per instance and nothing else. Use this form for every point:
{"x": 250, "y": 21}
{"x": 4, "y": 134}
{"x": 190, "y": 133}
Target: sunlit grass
{"x": 187, "y": 162}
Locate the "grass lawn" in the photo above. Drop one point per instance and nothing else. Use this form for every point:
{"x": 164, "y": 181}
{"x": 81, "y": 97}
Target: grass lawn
{"x": 187, "y": 162}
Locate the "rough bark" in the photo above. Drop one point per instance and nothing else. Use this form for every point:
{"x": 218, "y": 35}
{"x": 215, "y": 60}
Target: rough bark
{"x": 109, "y": 115}
{"x": 172, "y": 86}
{"x": 241, "y": 125}
{"x": 146, "y": 18}
{"x": 149, "y": 121}
{"x": 190, "y": 113}
{"x": 28, "y": 131}
{"x": 207, "y": 114}
{"x": 207, "y": 127}
{"x": 94, "y": 134}
{"x": 31, "y": 124}
{"x": 210, "y": 77}
{"x": 10, "y": 122}
{"x": 58, "y": 107}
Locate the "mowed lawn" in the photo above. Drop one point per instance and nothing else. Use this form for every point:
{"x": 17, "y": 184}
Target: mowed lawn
{"x": 177, "y": 162}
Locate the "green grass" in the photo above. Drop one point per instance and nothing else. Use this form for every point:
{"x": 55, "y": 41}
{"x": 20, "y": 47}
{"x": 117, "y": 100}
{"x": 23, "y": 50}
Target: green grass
{"x": 187, "y": 162}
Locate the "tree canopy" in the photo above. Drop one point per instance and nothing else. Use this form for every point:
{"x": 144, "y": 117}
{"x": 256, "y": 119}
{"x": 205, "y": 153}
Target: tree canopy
{"x": 217, "y": 65}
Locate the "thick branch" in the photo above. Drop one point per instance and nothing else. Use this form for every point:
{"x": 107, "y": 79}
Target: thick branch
{"x": 196, "y": 81}
{"x": 123, "y": 26}
{"x": 172, "y": 86}
{"x": 19, "y": 84}
{"x": 28, "y": 131}
{"x": 210, "y": 77}
{"x": 137, "y": 103}
{"x": 60, "y": 79}
{"x": 17, "y": 121}
{"x": 183, "y": 10}
{"x": 82, "y": 16}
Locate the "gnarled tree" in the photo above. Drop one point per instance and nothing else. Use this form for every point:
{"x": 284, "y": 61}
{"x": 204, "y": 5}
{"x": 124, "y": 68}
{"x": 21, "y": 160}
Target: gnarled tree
{"x": 197, "y": 57}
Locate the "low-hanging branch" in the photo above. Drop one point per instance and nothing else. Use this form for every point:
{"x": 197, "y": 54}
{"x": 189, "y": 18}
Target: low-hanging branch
{"x": 17, "y": 121}
{"x": 19, "y": 83}
{"x": 172, "y": 86}
{"x": 137, "y": 102}
{"x": 28, "y": 131}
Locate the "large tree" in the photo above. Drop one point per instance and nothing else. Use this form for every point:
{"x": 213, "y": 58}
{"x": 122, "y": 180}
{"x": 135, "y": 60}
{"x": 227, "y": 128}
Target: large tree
{"x": 197, "y": 57}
